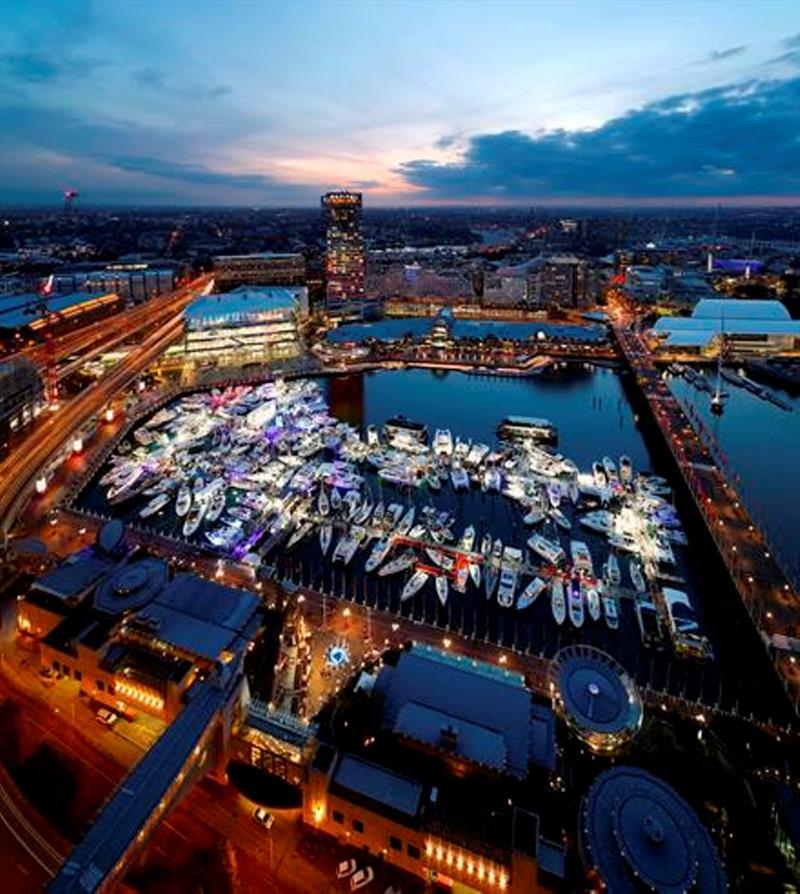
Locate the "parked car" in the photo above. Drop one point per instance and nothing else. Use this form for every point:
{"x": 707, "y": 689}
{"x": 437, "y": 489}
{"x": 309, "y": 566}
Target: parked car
{"x": 346, "y": 868}
{"x": 106, "y": 716}
{"x": 263, "y": 817}
{"x": 362, "y": 878}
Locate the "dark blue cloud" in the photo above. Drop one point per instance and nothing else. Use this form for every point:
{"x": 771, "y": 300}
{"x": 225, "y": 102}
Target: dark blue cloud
{"x": 736, "y": 140}
{"x": 186, "y": 173}
{"x": 720, "y": 55}
{"x": 39, "y": 68}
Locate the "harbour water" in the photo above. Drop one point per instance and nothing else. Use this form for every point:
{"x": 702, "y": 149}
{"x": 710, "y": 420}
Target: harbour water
{"x": 591, "y": 412}
{"x": 760, "y": 445}
{"x": 398, "y": 327}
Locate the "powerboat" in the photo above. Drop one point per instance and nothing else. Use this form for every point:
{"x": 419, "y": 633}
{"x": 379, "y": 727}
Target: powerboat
{"x": 637, "y": 576}
{"x": 535, "y": 515}
{"x": 575, "y": 603}
{"x": 414, "y": 584}
{"x": 417, "y": 531}
{"x": 335, "y": 500}
{"x": 325, "y": 535}
{"x": 323, "y": 503}
{"x": 612, "y": 572}
{"x": 531, "y": 593}
{"x": 601, "y": 520}
{"x": 439, "y": 558}
{"x": 492, "y": 479}
{"x": 475, "y": 573}
{"x": 625, "y": 469}
{"x": 364, "y": 512}
{"x": 558, "y": 604}
{"x": 467, "y": 539}
{"x": 158, "y": 502}
{"x": 379, "y": 552}
{"x": 194, "y": 518}
{"x": 216, "y": 503}
{"x": 549, "y": 550}
{"x": 581, "y": 558}
{"x": 593, "y": 604}
{"x": 554, "y": 494}
{"x": 459, "y": 478}
{"x": 560, "y": 519}
{"x": 378, "y": 514}
{"x": 610, "y": 469}
{"x": 599, "y": 475}
{"x": 507, "y": 586}
{"x": 443, "y": 442}
{"x": 406, "y": 522}
{"x": 442, "y": 588}
{"x": 486, "y": 545}
{"x": 402, "y": 563}
{"x": 611, "y": 611}
{"x": 300, "y": 534}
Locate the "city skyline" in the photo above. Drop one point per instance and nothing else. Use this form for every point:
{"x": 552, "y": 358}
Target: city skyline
{"x": 410, "y": 104}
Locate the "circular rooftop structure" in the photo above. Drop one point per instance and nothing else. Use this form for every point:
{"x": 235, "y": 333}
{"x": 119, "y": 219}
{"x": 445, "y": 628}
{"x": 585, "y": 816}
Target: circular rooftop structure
{"x": 131, "y": 586}
{"x": 596, "y": 697}
{"x": 638, "y": 834}
{"x": 110, "y": 536}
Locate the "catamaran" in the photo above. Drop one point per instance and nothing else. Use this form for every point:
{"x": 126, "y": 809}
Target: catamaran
{"x": 531, "y": 593}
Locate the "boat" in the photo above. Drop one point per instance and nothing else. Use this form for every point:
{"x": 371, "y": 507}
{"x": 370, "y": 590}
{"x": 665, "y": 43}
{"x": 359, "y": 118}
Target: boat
{"x": 486, "y": 545}
{"x": 417, "y": 532}
{"x": 534, "y": 516}
{"x": 459, "y": 478}
{"x": 475, "y": 573}
{"x": 364, "y": 512}
{"x": 300, "y": 534}
{"x": 593, "y": 604}
{"x": 216, "y": 503}
{"x": 378, "y": 514}
{"x": 442, "y": 588}
{"x": 379, "y": 552}
{"x": 507, "y": 586}
{"x": 625, "y": 469}
{"x": 649, "y": 624}
{"x": 554, "y": 494}
{"x": 575, "y": 602}
{"x": 404, "y": 431}
{"x": 194, "y": 517}
{"x": 492, "y": 479}
{"x": 611, "y": 611}
{"x": 335, "y": 500}
{"x": 323, "y": 503}
{"x": 443, "y": 442}
{"x": 610, "y": 469}
{"x": 414, "y": 584}
{"x": 531, "y": 593}
{"x": 549, "y": 550}
{"x": 401, "y": 563}
{"x": 612, "y": 572}
{"x": 405, "y": 524}
{"x": 637, "y": 576}
{"x": 325, "y": 535}
{"x": 558, "y": 605}
{"x": 467, "y": 539}
{"x": 439, "y": 558}
{"x": 560, "y": 519}
{"x": 158, "y": 502}
{"x": 581, "y": 557}
{"x": 599, "y": 475}
{"x": 393, "y": 514}
{"x": 462, "y": 577}
{"x": 601, "y": 520}
{"x": 526, "y": 428}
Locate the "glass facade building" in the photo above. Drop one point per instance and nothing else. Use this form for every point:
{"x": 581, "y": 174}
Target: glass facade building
{"x": 345, "y": 257}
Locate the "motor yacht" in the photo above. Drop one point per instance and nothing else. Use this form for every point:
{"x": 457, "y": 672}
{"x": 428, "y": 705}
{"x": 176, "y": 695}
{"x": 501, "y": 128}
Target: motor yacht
{"x": 401, "y": 563}
{"x": 442, "y": 588}
{"x": 581, "y": 558}
{"x": 414, "y": 584}
{"x": 558, "y": 604}
{"x": 637, "y": 576}
{"x": 325, "y": 536}
{"x": 443, "y": 442}
{"x": 380, "y": 550}
{"x": 575, "y": 602}
{"x": 612, "y": 571}
{"x": 549, "y": 550}
{"x": 531, "y": 593}
{"x": 158, "y": 502}
{"x": 611, "y": 611}
{"x": 593, "y": 604}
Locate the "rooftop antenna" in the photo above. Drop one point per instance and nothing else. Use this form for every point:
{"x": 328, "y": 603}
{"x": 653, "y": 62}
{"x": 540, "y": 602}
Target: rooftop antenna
{"x": 69, "y": 198}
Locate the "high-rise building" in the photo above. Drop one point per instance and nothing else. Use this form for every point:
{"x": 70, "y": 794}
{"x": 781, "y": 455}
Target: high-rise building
{"x": 344, "y": 261}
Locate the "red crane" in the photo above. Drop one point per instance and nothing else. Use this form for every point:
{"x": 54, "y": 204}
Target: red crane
{"x": 69, "y": 197}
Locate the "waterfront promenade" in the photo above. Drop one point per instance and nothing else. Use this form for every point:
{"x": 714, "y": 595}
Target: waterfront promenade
{"x": 765, "y": 590}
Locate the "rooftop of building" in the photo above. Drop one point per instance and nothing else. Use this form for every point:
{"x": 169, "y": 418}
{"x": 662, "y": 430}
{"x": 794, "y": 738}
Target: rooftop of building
{"x": 497, "y": 726}
{"x": 260, "y": 256}
{"x": 713, "y": 317}
{"x": 75, "y": 576}
{"x": 23, "y": 309}
{"x": 244, "y": 303}
{"x": 131, "y": 586}
{"x": 376, "y": 784}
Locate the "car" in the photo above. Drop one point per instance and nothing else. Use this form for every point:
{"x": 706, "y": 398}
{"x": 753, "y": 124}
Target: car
{"x": 346, "y": 868}
{"x": 106, "y": 716}
{"x": 362, "y": 878}
{"x": 263, "y": 817}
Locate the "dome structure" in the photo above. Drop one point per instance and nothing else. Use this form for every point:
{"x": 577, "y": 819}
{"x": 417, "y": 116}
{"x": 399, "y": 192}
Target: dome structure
{"x": 596, "y": 697}
{"x": 638, "y": 834}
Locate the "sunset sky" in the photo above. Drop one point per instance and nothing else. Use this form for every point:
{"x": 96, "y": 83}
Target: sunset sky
{"x": 271, "y": 103}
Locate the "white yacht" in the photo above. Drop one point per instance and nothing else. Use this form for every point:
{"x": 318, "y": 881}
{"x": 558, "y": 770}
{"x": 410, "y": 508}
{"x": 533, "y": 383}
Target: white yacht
{"x": 325, "y": 535}
{"x": 575, "y": 602}
{"x": 401, "y": 563}
{"x": 593, "y": 604}
{"x": 611, "y": 611}
{"x": 601, "y": 520}
{"x": 459, "y": 478}
{"x": 558, "y": 604}
{"x": 612, "y": 571}
{"x": 599, "y": 475}
{"x": 443, "y": 442}
{"x": 535, "y": 515}
{"x": 379, "y": 552}
{"x": 216, "y": 503}
{"x": 158, "y": 502}
{"x": 549, "y": 550}
{"x": 507, "y": 586}
{"x": 194, "y": 518}
{"x": 467, "y": 539}
{"x": 439, "y": 558}
{"x": 625, "y": 469}
{"x": 414, "y": 584}
{"x": 560, "y": 519}
{"x": 492, "y": 479}
{"x": 323, "y": 503}
{"x": 335, "y": 500}
{"x": 475, "y": 573}
{"x": 300, "y": 534}
{"x": 581, "y": 558}
{"x": 637, "y": 576}
{"x": 406, "y": 522}
{"x": 442, "y": 588}
{"x": 531, "y": 593}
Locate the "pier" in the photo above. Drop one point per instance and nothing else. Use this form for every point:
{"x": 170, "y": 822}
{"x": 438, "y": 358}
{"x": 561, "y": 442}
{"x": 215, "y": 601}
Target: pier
{"x": 765, "y": 590}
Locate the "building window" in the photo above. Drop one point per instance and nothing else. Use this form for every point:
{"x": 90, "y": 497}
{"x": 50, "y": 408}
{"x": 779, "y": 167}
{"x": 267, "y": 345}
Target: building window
{"x": 395, "y": 843}
{"x": 56, "y": 666}
{"x": 413, "y": 851}
{"x": 101, "y": 685}
{"x": 65, "y": 670}
{"x": 358, "y": 826}
{"x": 78, "y": 674}
{"x": 338, "y": 817}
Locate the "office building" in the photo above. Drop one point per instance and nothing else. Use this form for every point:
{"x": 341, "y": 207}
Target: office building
{"x": 564, "y": 280}
{"x": 345, "y": 258}
{"x": 21, "y": 396}
{"x": 249, "y": 324}
{"x": 262, "y": 269}
{"x": 25, "y": 313}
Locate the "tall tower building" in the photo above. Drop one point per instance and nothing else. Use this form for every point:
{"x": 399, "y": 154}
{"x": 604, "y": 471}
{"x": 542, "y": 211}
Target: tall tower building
{"x": 344, "y": 261}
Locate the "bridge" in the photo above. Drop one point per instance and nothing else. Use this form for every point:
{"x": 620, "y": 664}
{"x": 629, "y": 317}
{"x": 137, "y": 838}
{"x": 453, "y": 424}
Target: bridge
{"x": 765, "y": 590}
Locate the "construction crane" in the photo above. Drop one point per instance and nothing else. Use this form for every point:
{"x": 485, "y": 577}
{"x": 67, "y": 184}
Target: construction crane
{"x": 51, "y": 374}
{"x": 69, "y": 198}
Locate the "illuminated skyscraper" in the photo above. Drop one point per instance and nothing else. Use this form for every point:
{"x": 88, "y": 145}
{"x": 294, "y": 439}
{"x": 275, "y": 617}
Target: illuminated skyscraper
{"x": 344, "y": 262}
